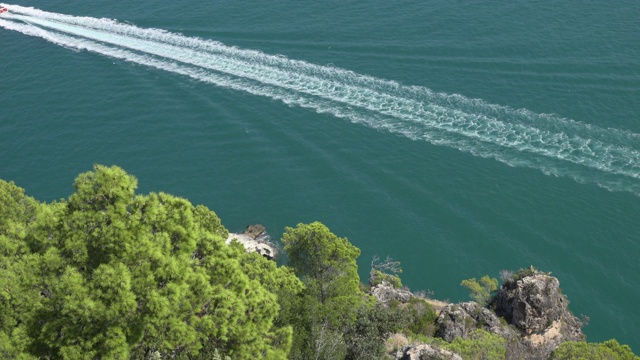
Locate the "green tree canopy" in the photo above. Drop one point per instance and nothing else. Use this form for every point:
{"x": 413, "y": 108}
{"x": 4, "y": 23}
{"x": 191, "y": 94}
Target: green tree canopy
{"x": 327, "y": 265}
{"x": 480, "y": 345}
{"x": 579, "y": 350}
{"x": 112, "y": 274}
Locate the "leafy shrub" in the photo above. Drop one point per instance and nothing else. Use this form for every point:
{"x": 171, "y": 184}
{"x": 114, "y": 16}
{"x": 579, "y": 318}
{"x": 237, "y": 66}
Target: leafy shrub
{"x": 480, "y": 345}
{"x": 421, "y": 317}
{"x": 365, "y": 338}
{"x": 481, "y": 290}
{"x": 608, "y": 350}
{"x": 377, "y": 277}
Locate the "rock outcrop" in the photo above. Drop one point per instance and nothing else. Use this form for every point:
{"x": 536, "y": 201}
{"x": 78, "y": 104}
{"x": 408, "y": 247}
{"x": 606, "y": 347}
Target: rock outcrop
{"x": 385, "y": 293}
{"x": 255, "y": 231}
{"x": 534, "y": 312}
{"x": 532, "y": 302}
{"x": 427, "y": 352}
{"x": 459, "y": 320}
{"x": 255, "y": 239}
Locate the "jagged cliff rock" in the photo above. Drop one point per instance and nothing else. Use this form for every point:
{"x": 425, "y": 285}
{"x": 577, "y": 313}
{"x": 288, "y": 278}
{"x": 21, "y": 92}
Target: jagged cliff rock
{"x": 534, "y": 312}
{"x": 459, "y": 320}
{"x": 255, "y": 239}
{"x": 385, "y": 292}
{"x": 426, "y": 352}
{"x": 532, "y": 302}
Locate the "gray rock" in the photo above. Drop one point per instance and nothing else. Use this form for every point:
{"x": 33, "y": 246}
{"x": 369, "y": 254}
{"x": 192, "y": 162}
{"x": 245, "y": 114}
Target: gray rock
{"x": 534, "y": 305}
{"x": 385, "y": 293}
{"x": 536, "y": 313}
{"x": 427, "y": 352}
{"x": 459, "y": 320}
{"x": 254, "y": 231}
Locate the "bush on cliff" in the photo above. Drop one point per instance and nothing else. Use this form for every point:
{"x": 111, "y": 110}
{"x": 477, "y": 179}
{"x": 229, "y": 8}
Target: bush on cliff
{"x": 479, "y": 345}
{"x": 579, "y": 350}
{"x": 481, "y": 290}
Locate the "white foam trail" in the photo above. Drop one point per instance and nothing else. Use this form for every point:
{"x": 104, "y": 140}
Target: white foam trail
{"x": 556, "y": 146}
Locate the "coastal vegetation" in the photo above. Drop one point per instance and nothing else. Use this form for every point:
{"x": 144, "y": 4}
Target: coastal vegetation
{"x": 482, "y": 289}
{"x": 111, "y": 274}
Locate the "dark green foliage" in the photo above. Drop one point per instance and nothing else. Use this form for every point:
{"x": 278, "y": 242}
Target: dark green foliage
{"x": 281, "y": 281}
{"x": 480, "y": 345}
{"x": 327, "y": 265}
{"x": 111, "y": 274}
{"x": 365, "y": 337}
{"x": 608, "y": 350}
{"x": 314, "y": 337}
{"x": 17, "y": 214}
{"x": 420, "y": 317}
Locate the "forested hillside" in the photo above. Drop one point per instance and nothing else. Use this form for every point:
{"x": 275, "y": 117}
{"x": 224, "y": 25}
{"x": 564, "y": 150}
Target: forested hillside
{"x": 111, "y": 274}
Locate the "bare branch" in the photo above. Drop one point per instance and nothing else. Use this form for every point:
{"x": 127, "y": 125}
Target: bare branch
{"x": 387, "y": 266}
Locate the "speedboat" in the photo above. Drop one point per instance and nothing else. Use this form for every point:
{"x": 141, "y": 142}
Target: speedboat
{"x": 3, "y": 9}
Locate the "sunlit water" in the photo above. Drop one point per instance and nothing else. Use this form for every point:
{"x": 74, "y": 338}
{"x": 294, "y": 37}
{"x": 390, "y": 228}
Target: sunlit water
{"x": 459, "y": 139}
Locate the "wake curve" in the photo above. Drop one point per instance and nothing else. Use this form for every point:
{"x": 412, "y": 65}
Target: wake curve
{"x": 556, "y": 146}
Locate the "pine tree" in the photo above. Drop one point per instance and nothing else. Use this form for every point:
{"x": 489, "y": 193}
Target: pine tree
{"x": 327, "y": 265}
{"x": 111, "y": 274}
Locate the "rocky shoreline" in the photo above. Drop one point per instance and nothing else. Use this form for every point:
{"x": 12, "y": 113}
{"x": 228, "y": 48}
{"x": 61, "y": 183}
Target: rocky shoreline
{"x": 529, "y": 311}
{"x": 255, "y": 239}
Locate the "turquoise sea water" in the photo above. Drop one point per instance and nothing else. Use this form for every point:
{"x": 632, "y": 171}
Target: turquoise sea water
{"x": 401, "y": 125}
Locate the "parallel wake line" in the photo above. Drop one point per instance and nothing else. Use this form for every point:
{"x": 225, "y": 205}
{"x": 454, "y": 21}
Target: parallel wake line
{"x": 556, "y": 146}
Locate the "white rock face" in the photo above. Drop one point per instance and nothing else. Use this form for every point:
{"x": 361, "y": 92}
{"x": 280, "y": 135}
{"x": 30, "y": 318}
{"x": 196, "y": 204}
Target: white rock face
{"x": 385, "y": 292}
{"x": 253, "y": 245}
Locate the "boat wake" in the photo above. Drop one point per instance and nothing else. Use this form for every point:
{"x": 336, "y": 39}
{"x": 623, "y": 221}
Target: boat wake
{"x": 561, "y": 147}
